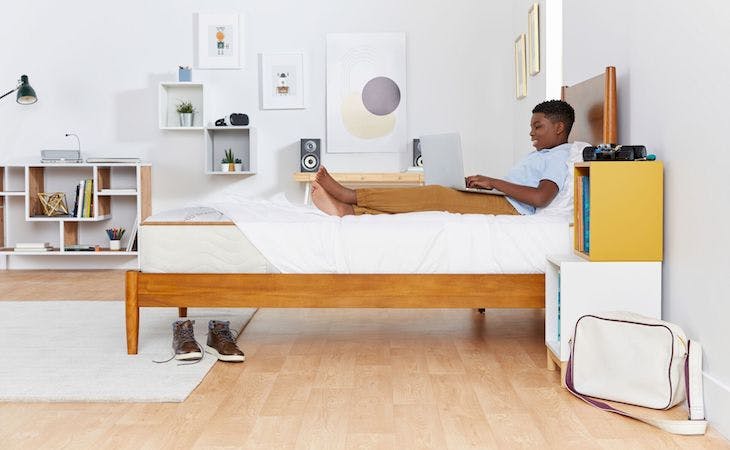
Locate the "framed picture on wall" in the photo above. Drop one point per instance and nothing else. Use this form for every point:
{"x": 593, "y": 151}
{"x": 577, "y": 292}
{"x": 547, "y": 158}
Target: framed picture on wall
{"x": 520, "y": 69}
{"x": 282, "y": 81}
{"x": 533, "y": 39}
{"x": 218, "y": 41}
{"x": 366, "y": 93}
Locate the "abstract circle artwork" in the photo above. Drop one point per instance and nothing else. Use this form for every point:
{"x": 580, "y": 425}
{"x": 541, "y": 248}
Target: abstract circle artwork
{"x": 366, "y": 95}
{"x": 381, "y": 96}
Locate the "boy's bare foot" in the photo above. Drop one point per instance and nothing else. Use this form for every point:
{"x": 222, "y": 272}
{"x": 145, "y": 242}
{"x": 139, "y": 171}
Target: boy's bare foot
{"x": 334, "y": 188}
{"x": 328, "y": 204}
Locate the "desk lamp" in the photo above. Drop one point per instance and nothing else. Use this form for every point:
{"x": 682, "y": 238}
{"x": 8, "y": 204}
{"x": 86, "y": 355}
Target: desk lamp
{"x": 26, "y": 94}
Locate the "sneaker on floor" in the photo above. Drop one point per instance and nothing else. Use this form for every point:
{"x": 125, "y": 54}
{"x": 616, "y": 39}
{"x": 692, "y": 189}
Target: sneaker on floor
{"x": 221, "y": 342}
{"x": 183, "y": 341}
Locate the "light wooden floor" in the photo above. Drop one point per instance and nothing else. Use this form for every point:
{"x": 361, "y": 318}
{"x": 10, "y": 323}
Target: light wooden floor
{"x": 319, "y": 379}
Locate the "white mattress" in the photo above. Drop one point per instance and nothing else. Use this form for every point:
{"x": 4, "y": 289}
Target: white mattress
{"x": 197, "y": 240}
{"x": 293, "y": 239}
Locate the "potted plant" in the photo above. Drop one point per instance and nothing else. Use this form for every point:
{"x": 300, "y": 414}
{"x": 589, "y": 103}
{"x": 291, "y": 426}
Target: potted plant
{"x": 238, "y": 164}
{"x": 186, "y": 111}
{"x": 228, "y": 163}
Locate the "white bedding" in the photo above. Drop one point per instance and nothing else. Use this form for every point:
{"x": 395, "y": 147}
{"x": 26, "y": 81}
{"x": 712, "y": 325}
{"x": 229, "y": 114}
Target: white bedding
{"x": 300, "y": 239}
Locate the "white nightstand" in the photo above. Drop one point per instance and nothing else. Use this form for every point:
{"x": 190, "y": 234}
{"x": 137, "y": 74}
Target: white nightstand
{"x": 586, "y": 287}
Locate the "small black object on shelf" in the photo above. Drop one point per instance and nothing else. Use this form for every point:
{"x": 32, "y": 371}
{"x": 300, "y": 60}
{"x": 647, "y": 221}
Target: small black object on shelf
{"x": 235, "y": 119}
{"x": 613, "y": 152}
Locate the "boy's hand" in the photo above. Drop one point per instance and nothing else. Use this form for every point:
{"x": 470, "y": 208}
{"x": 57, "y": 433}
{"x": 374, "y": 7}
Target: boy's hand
{"x": 479, "y": 181}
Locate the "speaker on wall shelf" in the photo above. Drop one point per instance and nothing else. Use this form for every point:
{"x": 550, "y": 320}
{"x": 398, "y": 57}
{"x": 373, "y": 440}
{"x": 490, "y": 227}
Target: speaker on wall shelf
{"x": 310, "y": 152}
{"x": 417, "y": 158}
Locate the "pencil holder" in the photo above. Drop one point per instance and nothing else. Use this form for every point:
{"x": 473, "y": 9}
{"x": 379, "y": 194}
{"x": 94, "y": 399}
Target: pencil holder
{"x": 184, "y": 74}
{"x": 114, "y": 244}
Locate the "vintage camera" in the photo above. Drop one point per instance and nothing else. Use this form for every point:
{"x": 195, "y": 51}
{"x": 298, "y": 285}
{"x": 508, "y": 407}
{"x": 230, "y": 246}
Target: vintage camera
{"x": 613, "y": 152}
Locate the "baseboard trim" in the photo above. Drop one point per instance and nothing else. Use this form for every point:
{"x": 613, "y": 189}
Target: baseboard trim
{"x": 717, "y": 404}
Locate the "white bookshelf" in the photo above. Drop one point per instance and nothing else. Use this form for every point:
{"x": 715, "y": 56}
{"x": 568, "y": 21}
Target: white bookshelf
{"x": 121, "y": 197}
{"x": 170, "y": 94}
{"x": 587, "y": 287}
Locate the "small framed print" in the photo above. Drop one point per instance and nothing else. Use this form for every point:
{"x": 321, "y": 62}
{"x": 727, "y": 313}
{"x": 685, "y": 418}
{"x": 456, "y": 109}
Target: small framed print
{"x": 218, "y": 41}
{"x": 282, "y": 81}
{"x": 520, "y": 69}
{"x": 533, "y": 39}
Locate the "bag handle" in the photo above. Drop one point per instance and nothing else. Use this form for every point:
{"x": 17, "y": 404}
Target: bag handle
{"x": 696, "y": 425}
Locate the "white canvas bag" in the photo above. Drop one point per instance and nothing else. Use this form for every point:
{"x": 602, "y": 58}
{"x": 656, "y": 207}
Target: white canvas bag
{"x": 629, "y": 358}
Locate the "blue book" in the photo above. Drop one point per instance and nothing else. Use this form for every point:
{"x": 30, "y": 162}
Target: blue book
{"x": 586, "y": 214}
{"x": 558, "y": 306}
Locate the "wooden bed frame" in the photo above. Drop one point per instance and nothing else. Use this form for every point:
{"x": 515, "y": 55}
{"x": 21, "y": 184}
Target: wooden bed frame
{"x": 183, "y": 290}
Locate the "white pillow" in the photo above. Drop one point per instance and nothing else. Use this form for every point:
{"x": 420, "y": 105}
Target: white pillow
{"x": 562, "y": 204}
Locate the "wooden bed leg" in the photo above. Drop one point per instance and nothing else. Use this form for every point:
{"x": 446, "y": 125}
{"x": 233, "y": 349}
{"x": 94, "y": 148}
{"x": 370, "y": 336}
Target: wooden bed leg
{"x": 132, "y": 312}
{"x": 550, "y": 363}
{"x": 182, "y": 312}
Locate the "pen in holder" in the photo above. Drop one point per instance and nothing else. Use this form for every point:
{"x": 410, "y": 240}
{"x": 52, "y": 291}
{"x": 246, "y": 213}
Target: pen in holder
{"x": 115, "y": 238}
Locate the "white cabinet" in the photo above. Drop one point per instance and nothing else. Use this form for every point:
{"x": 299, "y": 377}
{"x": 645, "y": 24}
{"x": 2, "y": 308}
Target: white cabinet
{"x": 575, "y": 287}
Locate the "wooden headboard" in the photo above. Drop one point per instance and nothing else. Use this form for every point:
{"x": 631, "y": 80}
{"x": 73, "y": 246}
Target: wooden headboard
{"x": 594, "y": 101}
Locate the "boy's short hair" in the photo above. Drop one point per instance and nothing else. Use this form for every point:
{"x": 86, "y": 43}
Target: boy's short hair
{"x": 557, "y": 111}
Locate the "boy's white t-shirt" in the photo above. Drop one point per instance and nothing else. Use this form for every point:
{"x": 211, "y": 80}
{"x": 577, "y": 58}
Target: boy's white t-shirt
{"x": 546, "y": 164}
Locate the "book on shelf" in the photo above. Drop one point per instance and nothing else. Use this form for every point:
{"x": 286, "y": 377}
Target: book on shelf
{"x": 586, "y": 214}
{"x": 80, "y": 198}
{"x": 88, "y": 189}
{"x": 558, "y": 301}
{"x": 130, "y": 191}
{"x": 76, "y": 203}
{"x": 579, "y": 214}
{"x": 131, "y": 241}
{"x": 32, "y": 250}
{"x": 32, "y": 245}
{"x": 79, "y": 248}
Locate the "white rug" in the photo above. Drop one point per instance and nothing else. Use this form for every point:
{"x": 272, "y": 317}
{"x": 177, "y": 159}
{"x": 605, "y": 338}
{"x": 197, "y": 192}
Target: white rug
{"x": 76, "y": 351}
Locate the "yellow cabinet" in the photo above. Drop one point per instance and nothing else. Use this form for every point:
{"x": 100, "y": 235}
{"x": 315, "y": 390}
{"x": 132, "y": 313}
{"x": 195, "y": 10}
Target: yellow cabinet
{"x": 618, "y": 210}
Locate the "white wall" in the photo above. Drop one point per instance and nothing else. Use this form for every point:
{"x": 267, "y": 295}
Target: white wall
{"x": 96, "y": 69}
{"x": 672, "y": 63}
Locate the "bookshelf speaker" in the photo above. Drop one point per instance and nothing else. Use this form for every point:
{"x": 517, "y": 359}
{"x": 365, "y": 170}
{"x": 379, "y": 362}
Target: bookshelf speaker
{"x": 310, "y": 152}
{"x": 417, "y": 158}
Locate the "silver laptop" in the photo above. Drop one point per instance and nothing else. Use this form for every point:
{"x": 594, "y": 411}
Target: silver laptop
{"x": 443, "y": 163}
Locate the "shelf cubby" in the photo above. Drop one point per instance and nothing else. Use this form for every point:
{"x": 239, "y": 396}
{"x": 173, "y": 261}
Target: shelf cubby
{"x": 623, "y": 220}
{"x": 575, "y": 287}
{"x": 172, "y": 93}
{"x": 241, "y": 140}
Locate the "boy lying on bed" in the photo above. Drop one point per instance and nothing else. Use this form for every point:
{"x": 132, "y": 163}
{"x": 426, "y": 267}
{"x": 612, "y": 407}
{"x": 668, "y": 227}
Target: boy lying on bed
{"x": 532, "y": 183}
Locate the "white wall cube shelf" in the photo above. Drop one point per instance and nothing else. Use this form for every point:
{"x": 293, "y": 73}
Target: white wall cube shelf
{"x": 241, "y": 140}
{"x": 170, "y": 94}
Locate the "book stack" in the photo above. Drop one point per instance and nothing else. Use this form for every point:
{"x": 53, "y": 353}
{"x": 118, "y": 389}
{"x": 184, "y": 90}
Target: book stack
{"x": 84, "y": 203}
{"x": 32, "y": 247}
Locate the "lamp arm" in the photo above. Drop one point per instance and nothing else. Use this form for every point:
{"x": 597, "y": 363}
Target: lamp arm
{"x": 8, "y": 93}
